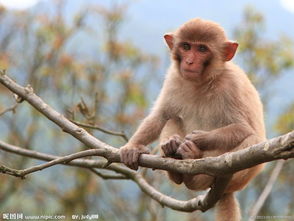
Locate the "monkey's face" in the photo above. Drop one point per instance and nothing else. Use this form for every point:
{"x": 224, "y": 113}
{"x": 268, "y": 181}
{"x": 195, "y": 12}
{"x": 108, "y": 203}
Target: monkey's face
{"x": 194, "y": 49}
{"x": 193, "y": 59}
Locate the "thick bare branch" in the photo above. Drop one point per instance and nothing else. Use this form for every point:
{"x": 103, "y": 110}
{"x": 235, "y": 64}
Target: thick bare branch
{"x": 277, "y": 148}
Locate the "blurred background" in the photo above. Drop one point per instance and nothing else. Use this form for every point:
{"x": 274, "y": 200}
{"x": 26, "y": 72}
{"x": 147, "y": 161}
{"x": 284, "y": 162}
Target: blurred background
{"x": 103, "y": 63}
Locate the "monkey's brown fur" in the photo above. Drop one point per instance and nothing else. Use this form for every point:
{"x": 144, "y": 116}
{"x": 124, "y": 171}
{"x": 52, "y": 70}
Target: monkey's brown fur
{"x": 219, "y": 104}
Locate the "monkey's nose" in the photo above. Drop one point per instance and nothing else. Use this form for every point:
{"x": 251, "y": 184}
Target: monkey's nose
{"x": 189, "y": 62}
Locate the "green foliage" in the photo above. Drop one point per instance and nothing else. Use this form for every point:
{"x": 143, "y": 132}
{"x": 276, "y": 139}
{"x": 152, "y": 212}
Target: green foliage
{"x": 262, "y": 59}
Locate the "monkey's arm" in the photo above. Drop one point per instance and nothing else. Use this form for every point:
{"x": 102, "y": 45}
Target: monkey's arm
{"x": 226, "y": 137}
{"x": 147, "y": 132}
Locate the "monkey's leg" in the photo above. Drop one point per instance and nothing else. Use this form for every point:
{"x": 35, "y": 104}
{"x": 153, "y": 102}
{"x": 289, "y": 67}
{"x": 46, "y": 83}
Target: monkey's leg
{"x": 242, "y": 178}
{"x": 198, "y": 182}
{"x": 239, "y": 179}
{"x": 227, "y": 208}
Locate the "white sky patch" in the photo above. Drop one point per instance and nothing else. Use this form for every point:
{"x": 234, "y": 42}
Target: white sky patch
{"x": 18, "y": 4}
{"x": 288, "y": 5}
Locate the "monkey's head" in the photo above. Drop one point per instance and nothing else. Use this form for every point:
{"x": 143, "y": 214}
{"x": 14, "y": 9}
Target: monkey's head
{"x": 198, "y": 47}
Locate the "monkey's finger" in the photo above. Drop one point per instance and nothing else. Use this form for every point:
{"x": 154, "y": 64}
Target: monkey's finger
{"x": 169, "y": 148}
{"x": 164, "y": 149}
{"x": 135, "y": 159}
{"x": 178, "y": 141}
{"x": 195, "y": 150}
{"x": 190, "y": 145}
{"x": 185, "y": 147}
{"x": 164, "y": 144}
{"x": 169, "y": 151}
{"x": 190, "y": 137}
{"x": 181, "y": 149}
{"x": 169, "y": 145}
{"x": 127, "y": 159}
{"x": 123, "y": 156}
{"x": 130, "y": 162}
{"x": 181, "y": 152}
{"x": 174, "y": 146}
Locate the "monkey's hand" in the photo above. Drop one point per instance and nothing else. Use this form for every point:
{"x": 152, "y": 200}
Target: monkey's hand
{"x": 169, "y": 148}
{"x": 129, "y": 155}
{"x": 189, "y": 150}
{"x": 200, "y": 138}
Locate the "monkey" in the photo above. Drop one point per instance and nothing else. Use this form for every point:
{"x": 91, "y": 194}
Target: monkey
{"x": 207, "y": 106}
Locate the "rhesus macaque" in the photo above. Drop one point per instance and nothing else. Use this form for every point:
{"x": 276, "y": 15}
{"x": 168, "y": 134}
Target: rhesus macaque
{"x": 207, "y": 106}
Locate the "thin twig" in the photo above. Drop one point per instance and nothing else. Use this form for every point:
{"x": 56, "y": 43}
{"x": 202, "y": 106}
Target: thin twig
{"x": 109, "y": 176}
{"x": 96, "y": 127}
{"x": 59, "y": 160}
{"x": 87, "y": 163}
{"x": 266, "y": 191}
{"x": 12, "y": 108}
{"x": 10, "y": 171}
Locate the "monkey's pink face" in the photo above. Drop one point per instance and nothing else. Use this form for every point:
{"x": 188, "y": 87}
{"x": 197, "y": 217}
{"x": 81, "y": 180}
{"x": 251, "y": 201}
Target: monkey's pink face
{"x": 193, "y": 58}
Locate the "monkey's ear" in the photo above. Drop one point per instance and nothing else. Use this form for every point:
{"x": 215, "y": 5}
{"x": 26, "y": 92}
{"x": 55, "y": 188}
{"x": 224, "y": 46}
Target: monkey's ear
{"x": 169, "y": 39}
{"x": 230, "y": 49}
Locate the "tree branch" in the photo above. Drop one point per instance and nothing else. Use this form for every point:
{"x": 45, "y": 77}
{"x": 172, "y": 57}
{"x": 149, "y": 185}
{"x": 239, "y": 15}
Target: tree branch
{"x": 12, "y": 108}
{"x": 95, "y": 127}
{"x": 202, "y": 202}
{"x": 109, "y": 176}
{"x": 222, "y": 167}
{"x": 266, "y": 192}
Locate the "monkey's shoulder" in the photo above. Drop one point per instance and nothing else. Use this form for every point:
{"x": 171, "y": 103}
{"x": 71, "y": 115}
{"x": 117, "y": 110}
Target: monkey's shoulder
{"x": 234, "y": 81}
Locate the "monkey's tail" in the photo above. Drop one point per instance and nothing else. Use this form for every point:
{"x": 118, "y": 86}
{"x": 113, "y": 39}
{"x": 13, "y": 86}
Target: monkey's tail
{"x": 227, "y": 208}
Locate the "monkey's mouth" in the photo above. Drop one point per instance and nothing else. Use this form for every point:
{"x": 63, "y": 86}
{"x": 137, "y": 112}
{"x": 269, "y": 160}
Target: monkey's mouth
{"x": 192, "y": 71}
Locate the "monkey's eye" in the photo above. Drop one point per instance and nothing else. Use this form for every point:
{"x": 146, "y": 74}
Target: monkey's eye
{"x": 202, "y": 48}
{"x": 186, "y": 46}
